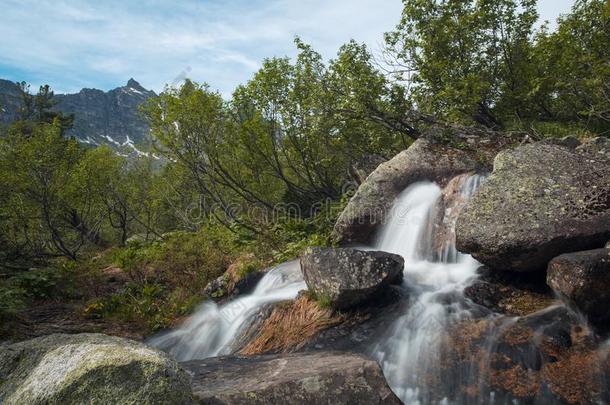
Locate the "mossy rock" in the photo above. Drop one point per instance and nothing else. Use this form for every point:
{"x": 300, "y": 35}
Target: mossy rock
{"x": 89, "y": 368}
{"x": 540, "y": 201}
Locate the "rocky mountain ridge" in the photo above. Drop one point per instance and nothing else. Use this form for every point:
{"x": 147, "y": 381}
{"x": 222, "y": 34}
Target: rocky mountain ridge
{"x": 101, "y": 118}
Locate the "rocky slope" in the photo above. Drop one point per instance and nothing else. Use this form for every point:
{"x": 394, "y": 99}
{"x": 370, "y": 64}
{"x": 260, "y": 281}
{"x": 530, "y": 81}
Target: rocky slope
{"x": 100, "y": 118}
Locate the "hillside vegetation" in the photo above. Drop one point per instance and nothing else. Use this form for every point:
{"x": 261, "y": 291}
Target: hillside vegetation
{"x": 129, "y": 245}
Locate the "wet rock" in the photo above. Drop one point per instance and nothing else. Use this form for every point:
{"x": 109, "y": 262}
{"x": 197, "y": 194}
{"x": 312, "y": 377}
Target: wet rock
{"x": 252, "y": 327}
{"x": 300, "y": 378}
{"x": 510, "y": 293}
{"x": 546, "y": 357}
{"x": 218, "y": 288}
{"x": 439, "y": 155}
{"x": 235, "y": 281}
{"x": 89, "y": 368}
{"x": 344, "y": 278}
{"x": 584, "y": 279}
{"x": 540, "y": 201}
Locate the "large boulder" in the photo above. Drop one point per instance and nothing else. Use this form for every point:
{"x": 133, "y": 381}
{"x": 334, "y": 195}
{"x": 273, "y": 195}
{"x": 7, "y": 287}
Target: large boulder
{"x": 89, "y": 368}
{"x": 540, "y": 201}
{"x": 301, "y": 378}
{"x": 584, "y": 279}
{"x": 423, "y": 160}
{"x": 362, "y": 168}
{"x": 344, "y": 278}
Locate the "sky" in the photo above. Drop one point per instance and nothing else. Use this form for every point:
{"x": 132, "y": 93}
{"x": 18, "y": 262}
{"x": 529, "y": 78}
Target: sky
{"x": 101, "y": 44}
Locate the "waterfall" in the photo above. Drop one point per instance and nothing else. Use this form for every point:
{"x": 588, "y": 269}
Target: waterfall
{"x": 413, "y": 352}
{"x": 212, "y": 330}
{"x": 435, "y": 275}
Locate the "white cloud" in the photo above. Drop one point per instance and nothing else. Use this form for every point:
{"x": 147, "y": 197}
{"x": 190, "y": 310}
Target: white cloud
{"x": 93, "y": 43}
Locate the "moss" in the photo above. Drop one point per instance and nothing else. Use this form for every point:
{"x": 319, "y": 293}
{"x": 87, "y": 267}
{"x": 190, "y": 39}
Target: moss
{"x": 90, "y": 368}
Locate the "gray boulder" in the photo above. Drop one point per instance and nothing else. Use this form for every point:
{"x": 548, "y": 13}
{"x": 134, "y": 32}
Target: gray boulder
{"x": 540, "y": 201}
{"x": 584, "y": 279}
{"x": 300, "y": 378}
{"x": 89, "y": 368}
{"x": 423, "y": 160}
{"x": 441, "y": 153}
{"x": 344, "y": 278}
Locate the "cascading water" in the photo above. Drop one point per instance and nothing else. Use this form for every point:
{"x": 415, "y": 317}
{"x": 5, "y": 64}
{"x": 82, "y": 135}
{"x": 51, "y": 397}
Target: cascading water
{"x": 421, "y": 228}
{"x": 211, "y": 331}
{"x": 435, "y": 275}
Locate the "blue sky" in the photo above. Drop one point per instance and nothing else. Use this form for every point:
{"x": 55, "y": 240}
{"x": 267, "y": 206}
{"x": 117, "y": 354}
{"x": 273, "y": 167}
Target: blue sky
{"x": 102, "y": 43}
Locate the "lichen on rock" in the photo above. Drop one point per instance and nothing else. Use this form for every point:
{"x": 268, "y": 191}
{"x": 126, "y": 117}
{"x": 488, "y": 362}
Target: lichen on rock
{"x": 89, "y": 368}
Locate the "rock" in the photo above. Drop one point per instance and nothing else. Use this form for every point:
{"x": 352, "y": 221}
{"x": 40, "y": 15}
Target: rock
{"x": 311, "y": 378}
{"x": 89, "y": 368}
{"x": 424, "y": 160}
{"x": 540, "y": 201}
{"x": 241, "y": 277}
{"x": 218, "y": 288}
{"x": 584, "y": 279}
{"x": 251, "y": 328}
{"x": 546, "y": 357}
{"x": 442, "y": 153}
{"x": 509, "y": 293}
{"x": 344, "y": 278}
{"x": 598, "y": 148}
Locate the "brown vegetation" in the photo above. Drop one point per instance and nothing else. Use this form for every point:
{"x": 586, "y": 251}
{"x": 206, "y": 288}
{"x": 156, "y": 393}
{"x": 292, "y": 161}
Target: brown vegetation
{"x": 291, "y": 325}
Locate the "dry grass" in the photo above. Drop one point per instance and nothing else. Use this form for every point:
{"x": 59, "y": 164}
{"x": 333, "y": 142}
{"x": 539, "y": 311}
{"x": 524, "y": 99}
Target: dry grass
{"x": 292, "y": 325}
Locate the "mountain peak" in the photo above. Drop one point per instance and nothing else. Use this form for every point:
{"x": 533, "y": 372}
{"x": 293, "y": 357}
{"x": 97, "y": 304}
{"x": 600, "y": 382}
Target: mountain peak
{"x": 132, "y": 83}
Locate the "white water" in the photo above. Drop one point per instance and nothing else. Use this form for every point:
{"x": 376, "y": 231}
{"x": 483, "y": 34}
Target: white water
{"x": 411, "y": 348}
{"x": 211, "y": 331}
{"x": 435, "y": 278}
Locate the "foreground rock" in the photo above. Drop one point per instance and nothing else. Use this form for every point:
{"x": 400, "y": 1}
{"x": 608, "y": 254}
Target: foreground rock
{"x": 312, "y": 378}
{"x": 344, "y": 278}
{"x": 540, "y": 201}
{"x": 89, "y": 368}
{"x": 584, "y": 279}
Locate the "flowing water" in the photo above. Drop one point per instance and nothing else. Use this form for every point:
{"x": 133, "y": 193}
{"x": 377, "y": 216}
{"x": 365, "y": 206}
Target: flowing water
{"x": 436, "y": 274}
{"x": 421, "y": 228}
{"x": 211, "y": 331}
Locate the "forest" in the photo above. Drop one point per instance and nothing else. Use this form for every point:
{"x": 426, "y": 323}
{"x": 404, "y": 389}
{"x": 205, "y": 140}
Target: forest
{"x": 250, "y": 181}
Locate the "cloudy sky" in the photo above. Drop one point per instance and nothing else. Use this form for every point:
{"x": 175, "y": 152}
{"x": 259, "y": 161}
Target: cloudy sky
{"x": 101, "y": 44}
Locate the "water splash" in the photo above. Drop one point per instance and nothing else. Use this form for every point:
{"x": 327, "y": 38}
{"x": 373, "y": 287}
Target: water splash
{"x": 435, "y": 274}
{"x": 212, "y": 330}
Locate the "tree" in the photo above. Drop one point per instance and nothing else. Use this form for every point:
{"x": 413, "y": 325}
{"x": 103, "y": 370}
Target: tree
{"x": 573, "y": 81}
{"x": 471, "y": 59}
{"x": 287, "y": 137}
{"x": 38, "y": 108}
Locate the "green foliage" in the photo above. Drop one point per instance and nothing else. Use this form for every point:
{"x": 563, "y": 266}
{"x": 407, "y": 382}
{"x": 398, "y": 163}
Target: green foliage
{"x": 573, "y": 78}
{"x": 482, "y": 61}
{"x": 469, "y": 57}
{"x": 287, "y": 138}
{"x": 167, "y": 277}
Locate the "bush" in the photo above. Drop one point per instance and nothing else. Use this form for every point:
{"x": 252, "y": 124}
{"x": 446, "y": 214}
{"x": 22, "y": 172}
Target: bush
{"x": 167, "y": 277}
